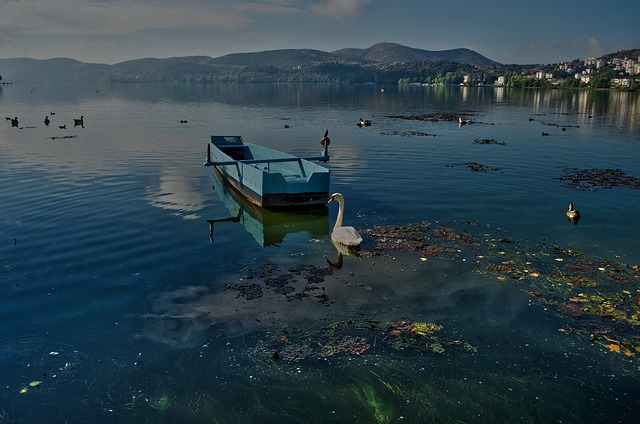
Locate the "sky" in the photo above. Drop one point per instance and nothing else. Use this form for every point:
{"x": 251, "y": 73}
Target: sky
{"x": 509, "y": 32}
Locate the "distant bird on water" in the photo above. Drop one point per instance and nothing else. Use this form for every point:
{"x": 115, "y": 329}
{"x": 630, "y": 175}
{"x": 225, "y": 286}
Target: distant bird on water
{"x": 80, "y": 122}
{"x": 47, "y": 121}
{"x": 325, "y": 141}
{"x": 364, "y": 123}
{"x": 573, "y": 215}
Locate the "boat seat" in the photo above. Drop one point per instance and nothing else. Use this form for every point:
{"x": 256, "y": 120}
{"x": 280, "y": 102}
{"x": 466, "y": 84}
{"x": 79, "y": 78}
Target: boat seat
{"x": 294, "y": 178}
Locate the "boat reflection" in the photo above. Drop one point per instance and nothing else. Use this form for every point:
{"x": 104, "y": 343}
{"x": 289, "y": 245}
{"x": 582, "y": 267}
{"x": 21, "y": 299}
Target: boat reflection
{"x": 268, "y": 227}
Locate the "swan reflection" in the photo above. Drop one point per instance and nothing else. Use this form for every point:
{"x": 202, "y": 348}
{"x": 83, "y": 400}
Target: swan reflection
{"x": 343, "y": 251}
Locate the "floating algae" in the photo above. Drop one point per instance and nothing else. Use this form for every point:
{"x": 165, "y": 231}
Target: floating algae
{"x": 295, "y": 283}
{"x": 599, "y": 299}
{"x": 355, "y": 337}
{"x": 474, "y": 167}
{"x": 593, "y": 178}
{"x": 428, "y": 117}
{"x": 247, "y": 291}
{"x": 424, "y": 238}
{"x": 409, "y": 133}
{"x": 489, "y": 141}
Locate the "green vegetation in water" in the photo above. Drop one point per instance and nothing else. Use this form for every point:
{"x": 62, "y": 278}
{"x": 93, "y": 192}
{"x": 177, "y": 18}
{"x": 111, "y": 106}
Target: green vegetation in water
{"x": 381, "y": 411}
{"x": 355, "y": 337}
{"x": 592, "y": 178}
{"x": 597, "y": 298}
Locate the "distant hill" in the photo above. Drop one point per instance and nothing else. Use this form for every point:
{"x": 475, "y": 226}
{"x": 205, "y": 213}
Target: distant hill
{"x": 378, "y": 53}
{"x": 58, "y": 69}
{"x": 634, "y": 53}
{"x": 391, "y": 52}
{"x": 278, "y": 58}
{"x": 310, "y": 65}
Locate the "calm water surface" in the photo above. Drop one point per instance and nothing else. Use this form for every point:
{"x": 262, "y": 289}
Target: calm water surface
{"x": 119, "y": 305}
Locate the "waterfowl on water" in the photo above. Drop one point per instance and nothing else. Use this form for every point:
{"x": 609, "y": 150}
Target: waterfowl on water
{"x": 47, "y": 121}
{"x": 364, "y": 123}
{"x": 80, "y": 122}
{"x": 345, "y": 236}
{"x": 325, "y": 141}
{"x": 572, "y": 214}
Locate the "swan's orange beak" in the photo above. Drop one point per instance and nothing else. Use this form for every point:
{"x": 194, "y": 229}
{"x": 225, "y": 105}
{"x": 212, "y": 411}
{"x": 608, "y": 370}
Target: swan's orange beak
{"x": 331, "y": 200}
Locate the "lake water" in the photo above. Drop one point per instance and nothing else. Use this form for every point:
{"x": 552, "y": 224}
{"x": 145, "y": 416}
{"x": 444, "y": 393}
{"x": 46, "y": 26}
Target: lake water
{"x": 475, "y": 299}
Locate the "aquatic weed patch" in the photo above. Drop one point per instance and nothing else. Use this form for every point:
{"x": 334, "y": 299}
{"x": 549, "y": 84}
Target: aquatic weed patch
{"x": 598, "y": 298}
{"x": 428, "y": 117}
{"x": 474, "y": 167}
{"x": 247, "y": 291}
{"x": 409, "y": 133}
{"x": 593, "y": 178}
{"x": 298, "y": 282}
{"x": 425, "y": 238}
{"x": 356, "y": 337}
{"x": 594, "y": 296}
{"x": 489, "y": 141}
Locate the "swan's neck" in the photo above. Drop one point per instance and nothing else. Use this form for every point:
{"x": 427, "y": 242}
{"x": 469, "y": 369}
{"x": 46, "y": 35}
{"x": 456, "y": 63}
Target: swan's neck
{"x": 340, "y": 214}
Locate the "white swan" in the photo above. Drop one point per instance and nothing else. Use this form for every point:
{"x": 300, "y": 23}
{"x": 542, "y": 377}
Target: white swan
{"x": 346, "y": 236}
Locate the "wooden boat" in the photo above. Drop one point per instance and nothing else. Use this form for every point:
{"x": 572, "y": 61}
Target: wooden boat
{"x": 268, "y": 227}
{"x": 269, "y": 178}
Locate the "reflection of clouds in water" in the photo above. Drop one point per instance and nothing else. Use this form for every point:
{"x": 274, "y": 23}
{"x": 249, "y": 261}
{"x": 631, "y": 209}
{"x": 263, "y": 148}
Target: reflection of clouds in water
{"x": 382, "y": 288}
{"x": 176, "y": 194}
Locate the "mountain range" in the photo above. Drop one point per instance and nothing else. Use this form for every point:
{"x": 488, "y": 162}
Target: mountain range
{"x": 258, "y": 64}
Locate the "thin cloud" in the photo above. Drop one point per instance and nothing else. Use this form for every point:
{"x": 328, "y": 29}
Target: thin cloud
{"x": 38, "y": 17}
{"x": 339, "y": 9}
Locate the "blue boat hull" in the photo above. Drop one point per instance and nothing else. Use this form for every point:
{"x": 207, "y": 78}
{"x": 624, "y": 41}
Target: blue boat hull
{"x": 269, "y": 178}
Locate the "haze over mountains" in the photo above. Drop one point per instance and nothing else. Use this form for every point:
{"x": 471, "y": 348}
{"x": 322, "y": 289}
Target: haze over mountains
{"x": 65, "y": 69}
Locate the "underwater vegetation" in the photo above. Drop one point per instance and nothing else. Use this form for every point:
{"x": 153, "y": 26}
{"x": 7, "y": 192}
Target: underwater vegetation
{"x": 297, "y": 282}
{"x": 355, "y": 337}
{"x": 598, "y": 299}
{"x": 381, "y": 411}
